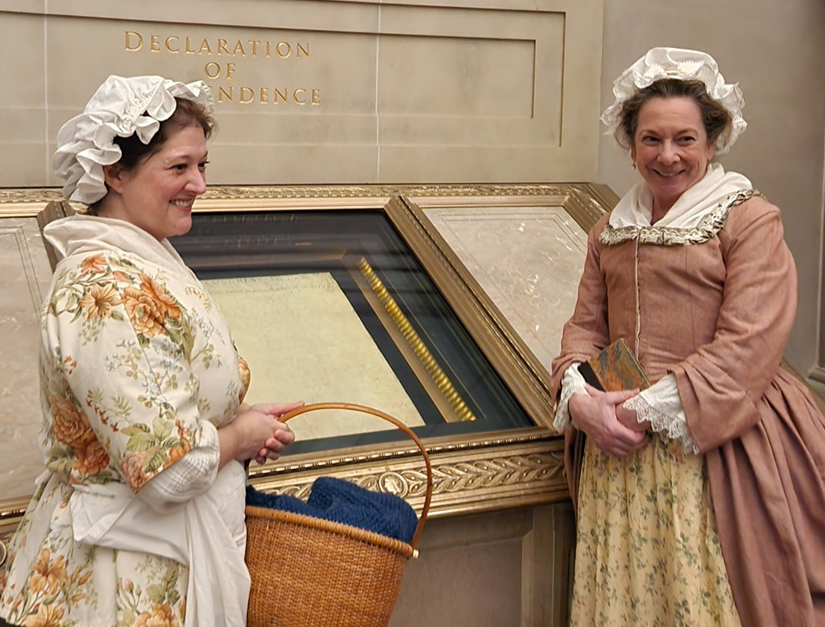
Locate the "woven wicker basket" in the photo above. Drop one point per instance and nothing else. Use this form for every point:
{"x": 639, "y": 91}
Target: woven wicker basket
{"x": 309, "y": 572}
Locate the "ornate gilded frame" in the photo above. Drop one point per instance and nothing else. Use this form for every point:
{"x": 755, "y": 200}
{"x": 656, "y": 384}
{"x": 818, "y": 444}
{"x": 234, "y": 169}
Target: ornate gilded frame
{"x": 473, "y": 473}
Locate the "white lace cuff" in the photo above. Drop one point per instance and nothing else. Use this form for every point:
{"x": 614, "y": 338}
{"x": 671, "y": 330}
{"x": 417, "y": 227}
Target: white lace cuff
{"x": 662, "y": 406}
{"x": 190, "y": 476}
{"x": 571, "y": 383}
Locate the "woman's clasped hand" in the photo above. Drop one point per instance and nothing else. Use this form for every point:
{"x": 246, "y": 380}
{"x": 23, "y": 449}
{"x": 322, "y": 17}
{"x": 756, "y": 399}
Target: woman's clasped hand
{"x": 259, "y": 434}
{"x": 606, "y": 422}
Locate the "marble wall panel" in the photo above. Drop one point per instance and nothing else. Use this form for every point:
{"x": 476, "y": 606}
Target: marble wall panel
{"x": 24, "y": 278}
{"x": 297, "y": 164}
{"x": 440, "y": 164}
{"x": 527, "y": 259}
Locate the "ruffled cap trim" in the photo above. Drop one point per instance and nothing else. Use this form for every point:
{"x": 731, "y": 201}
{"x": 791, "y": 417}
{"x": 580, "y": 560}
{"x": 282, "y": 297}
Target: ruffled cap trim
{"x": 660, "y": 63}
{"x": 121, "y": 107}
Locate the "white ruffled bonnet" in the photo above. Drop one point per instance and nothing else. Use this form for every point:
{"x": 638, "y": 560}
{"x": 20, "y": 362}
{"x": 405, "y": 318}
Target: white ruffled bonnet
{"x": 683, "y": 64}
{"x": 120, "y": 107}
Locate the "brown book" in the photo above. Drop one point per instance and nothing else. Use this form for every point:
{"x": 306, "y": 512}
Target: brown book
{"x": 615, "y": 368}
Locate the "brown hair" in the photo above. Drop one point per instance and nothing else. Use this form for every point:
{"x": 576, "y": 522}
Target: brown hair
{"x": 134, "y": 152}
{"x": 714, "y": 116}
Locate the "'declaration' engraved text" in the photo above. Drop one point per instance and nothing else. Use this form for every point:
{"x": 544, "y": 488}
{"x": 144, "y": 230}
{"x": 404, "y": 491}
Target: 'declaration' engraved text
{"x": 226, "y": 68}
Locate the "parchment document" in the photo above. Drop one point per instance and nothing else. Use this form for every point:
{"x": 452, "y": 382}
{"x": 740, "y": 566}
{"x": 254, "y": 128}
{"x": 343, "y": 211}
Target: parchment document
{"x": 304, "y": 341}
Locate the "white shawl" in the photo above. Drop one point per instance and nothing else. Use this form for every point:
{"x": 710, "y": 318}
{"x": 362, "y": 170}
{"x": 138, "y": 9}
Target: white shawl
{"x": 206, "y": 533}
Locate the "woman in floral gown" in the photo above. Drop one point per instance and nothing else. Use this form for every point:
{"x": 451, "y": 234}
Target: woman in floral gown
{"x": 700, "y": 500}
{"x": 139, "y": 516}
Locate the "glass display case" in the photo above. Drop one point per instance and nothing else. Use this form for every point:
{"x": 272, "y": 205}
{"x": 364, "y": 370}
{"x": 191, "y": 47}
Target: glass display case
{"x": 351, "y": 294}
{"x": 332, "y": 305}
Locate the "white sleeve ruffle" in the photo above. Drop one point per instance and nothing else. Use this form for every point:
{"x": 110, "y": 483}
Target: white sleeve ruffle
{"x": 571, "y": 383}
{"x": 662, "y": 406}
{"x": 192, "y": 475}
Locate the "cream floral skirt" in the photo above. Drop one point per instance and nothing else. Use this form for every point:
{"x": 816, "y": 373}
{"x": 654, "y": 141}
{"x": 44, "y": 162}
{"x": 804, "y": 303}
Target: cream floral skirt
{"x": 647, "y": 551}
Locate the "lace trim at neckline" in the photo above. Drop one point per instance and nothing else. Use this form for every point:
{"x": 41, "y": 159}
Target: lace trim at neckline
{"x": 670, "y": 236}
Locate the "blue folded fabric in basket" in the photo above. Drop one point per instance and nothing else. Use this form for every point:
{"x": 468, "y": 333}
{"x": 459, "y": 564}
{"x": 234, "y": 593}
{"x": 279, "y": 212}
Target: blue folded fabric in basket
{"x": 344, "y": 502}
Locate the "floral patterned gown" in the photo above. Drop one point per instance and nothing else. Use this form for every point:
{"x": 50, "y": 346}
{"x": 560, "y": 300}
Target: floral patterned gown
{"x": 136, "y": 362}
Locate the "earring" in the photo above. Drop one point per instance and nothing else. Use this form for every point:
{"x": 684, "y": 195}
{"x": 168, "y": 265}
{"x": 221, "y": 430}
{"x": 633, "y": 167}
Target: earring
{"x": 633, "y": 164}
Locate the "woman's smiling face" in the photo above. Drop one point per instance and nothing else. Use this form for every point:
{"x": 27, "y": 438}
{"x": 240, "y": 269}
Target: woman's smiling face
{"x": 670, "y": 148}
{"x": 157, "y": 195}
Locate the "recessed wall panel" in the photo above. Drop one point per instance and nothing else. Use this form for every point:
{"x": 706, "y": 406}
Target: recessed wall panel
{"x": 457, "y": 76}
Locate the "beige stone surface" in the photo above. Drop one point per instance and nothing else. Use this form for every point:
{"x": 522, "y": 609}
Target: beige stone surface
{"x": 459, "y": 559}
{"x": 446, "y": 163}
{"x": 16, "y": 160}
{"x": 22, "y": 101}
{"x": 247, "y": 164}
{"x": 462, "y": 77}
{"x": 497, "y": 569}
{"x": 24, "y": 279}
{"x": 493, "y": 109}
{"x": 528, "y": 260}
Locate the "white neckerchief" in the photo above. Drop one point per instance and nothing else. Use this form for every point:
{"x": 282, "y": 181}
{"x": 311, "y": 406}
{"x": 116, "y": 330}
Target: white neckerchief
{"x": 635, "y": 209}
{"x": 84, "y": 235}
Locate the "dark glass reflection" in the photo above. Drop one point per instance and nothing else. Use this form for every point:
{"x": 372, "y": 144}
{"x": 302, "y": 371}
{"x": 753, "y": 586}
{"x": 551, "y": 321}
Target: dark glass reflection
{"x": 344, "y": 244}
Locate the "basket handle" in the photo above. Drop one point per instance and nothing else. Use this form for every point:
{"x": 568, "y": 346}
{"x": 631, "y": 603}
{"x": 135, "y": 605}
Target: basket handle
{"x": 380, "y": 414}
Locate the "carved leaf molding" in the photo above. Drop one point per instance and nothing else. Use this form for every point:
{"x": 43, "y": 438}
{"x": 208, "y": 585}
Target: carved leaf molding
{"x": 465, "y": 476}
